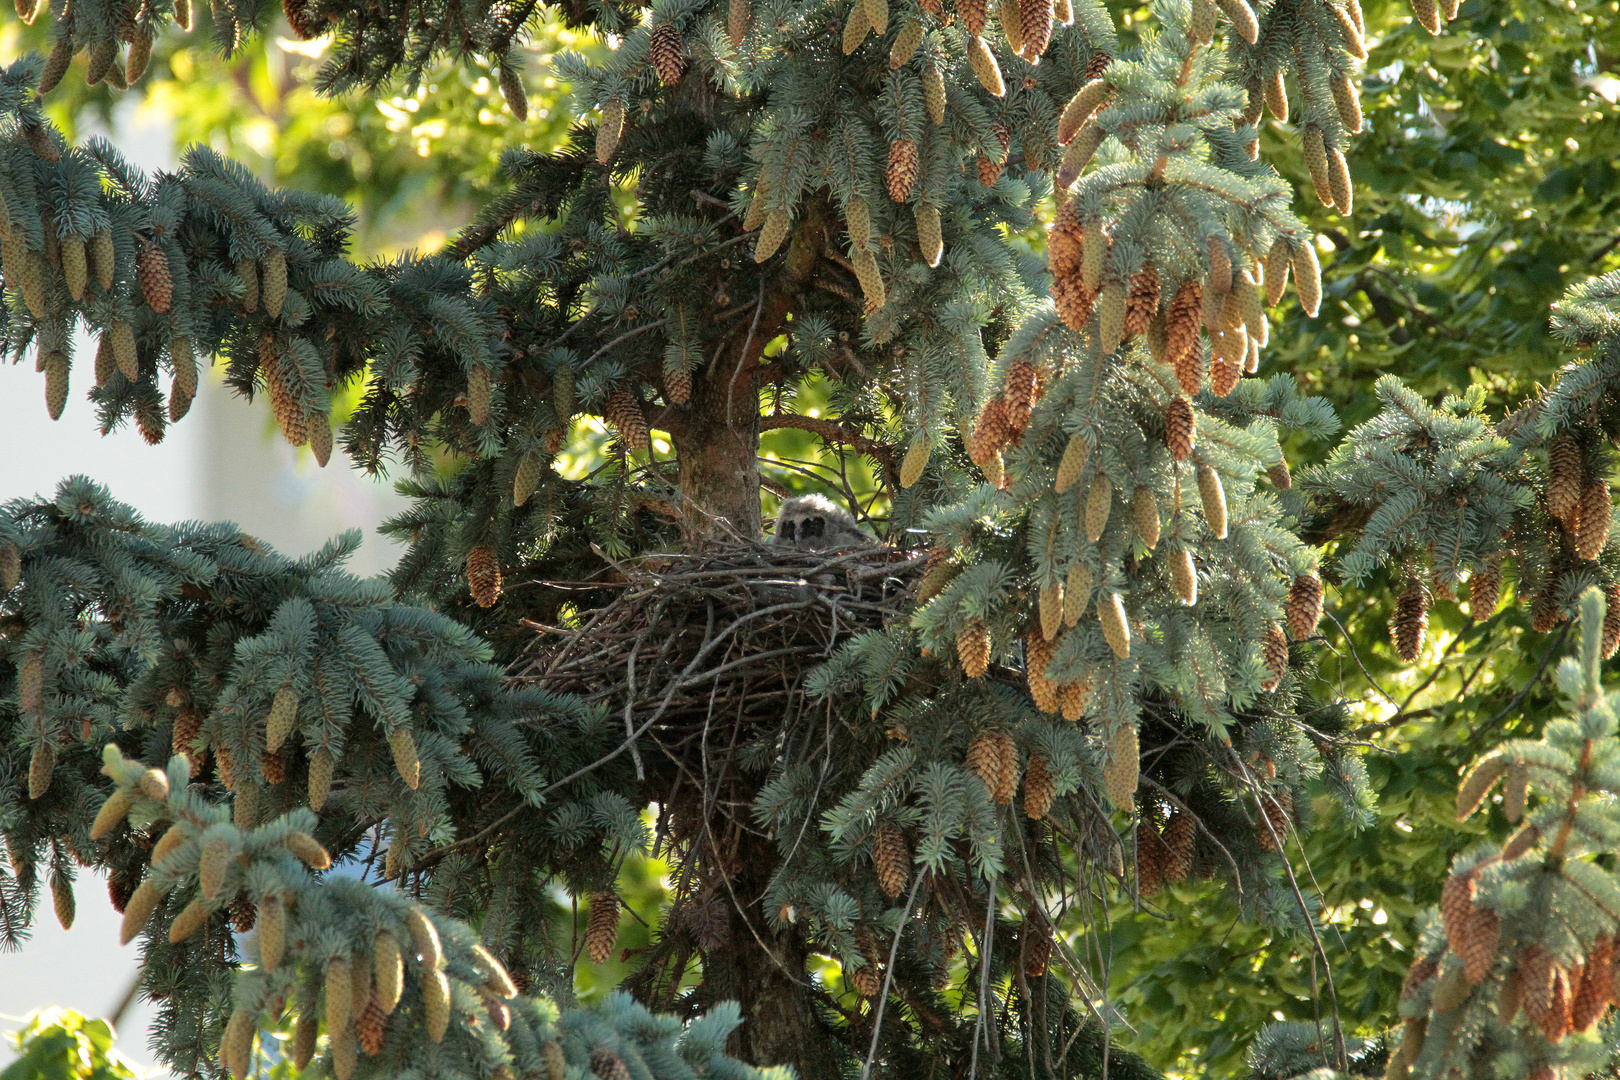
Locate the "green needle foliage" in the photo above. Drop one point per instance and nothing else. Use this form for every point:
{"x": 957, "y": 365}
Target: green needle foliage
{"x": 785, "y": 215}
{"x": 59, "y": 1044}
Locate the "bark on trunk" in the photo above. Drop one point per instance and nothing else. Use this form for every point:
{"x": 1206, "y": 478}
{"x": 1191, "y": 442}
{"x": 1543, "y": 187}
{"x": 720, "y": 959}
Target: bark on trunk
{"x": 717, "y": 444}
{"x": 779, "y": 1021}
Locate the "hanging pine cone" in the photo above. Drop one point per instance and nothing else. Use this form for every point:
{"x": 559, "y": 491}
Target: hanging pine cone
{"x": 289, "y": 412}
{"x": 984, "y": 759}
{"x": 904, "y": 164}
{"x": 985, "y": 68}
{"x": 1142, "y": 304}
{"x": 187, "y": 726}
{"x": 1150, "y": 860}
{"x": 57, "y": 366}
{"x": 991, "y": 432}
{"x": 602, "y": 927}
{"x": 1035, "y": 27}
{"x": 1548, "y": 610}
{"x": 1274, "y": 651}
{"x": 1481, "y": 935}
{"x": 1212, "y": 493}
{"x": 973, "y": 648}
{"x": 152, "y": 273}
{"x": 1099, "y": 503}
{"x": 371, "y": 1025}
{"x": 1039, "y": 789}
{"x": 1304, "y": 606}
{"x": 738, "y": 15}
{"x": 1180, "y": 428}
{"x": 891, "y": 859}
{"x": 1611, "y": 620}
{"x": 1275, "y": 827}
{"x": 1555, "y": 1022}
{"x": 1564, "y": 468}
{"x": 1592, "y": 520}
{"x": 624, "y": 413}
{"x": 1037, "y": 653}
{"x": 608, "y": 132}
{"x": 667, "y": 53}
{"x": 1180, "y": 837}
{"x": 974, "y": 14}
{"x": 1596, "y": 986}
{"x": 865, "y": 981}
{"x": 607, "y": 1065}
{"x": 1072, "y": 698}
{"x": 483, "y": 575}
{"x": 1427, "y": 13}
{"x": 1184, "y": 576}
{"x": 1035, "y": 941}
{"x": 1411, "y": 620}
{"x": 1145, "y": 516}
{"x": 1121, "y": 768}
{"x": 1485, "y": 590}
{"x": 1008, "y": 773}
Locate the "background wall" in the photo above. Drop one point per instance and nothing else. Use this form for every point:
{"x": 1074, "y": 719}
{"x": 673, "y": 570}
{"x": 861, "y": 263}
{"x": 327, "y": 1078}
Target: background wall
{"x": 204, "y": 469}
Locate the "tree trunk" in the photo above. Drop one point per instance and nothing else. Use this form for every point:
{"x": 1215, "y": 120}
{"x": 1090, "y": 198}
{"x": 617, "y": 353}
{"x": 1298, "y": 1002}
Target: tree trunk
{"x": 779, "y": 1021}
{"x": 717, "y": 444}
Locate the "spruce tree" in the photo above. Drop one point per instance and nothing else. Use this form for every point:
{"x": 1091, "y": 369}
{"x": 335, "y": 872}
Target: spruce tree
{"x": 1094, "y": 678}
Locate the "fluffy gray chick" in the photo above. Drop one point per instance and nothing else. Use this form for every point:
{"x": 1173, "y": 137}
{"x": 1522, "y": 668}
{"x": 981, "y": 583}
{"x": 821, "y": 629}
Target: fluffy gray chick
{"x": 817, "y": 523}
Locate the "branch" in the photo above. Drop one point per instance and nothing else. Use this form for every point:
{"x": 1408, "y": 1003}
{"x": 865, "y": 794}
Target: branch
{"x": 831, "y": 431}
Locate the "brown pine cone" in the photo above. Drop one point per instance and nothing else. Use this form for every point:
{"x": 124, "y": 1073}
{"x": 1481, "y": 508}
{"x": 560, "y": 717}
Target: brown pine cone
{"x": 624, "y": 413}
{"x": 371, "y": 1025}
{"x": 1485, "y": 590}
{"x": 1021, "y": 392}
{"x": 973, "y": 648}
{"x": 607, "y": 1065}
{"x": 974, "y": 14}
{"x": 1611, "y": 620}
{"x": 1592, "y": 521}
{"x": 1037, "y": 652}
{"x": 1304, "y": 606}
{"x": 483, "y": 575}
{"x": 1481, "y": 935}
{"x": 1564, "y": 468}
{"x": 1142, "y": 303}
{"x": 667, "y": 53}
{"x": 1180, "y": 838}
{"x": 1596, "y": 986}
{"x": 1457, "y": 908}
{"x": 602, "y": 927}
{"x": 1180, "y": 428}
{"x": 991, "y": 432}
{"x": 1275, "y": 653}
{"x": 1035, "y": 936}
{"x": 904, "y": 165}
{"x": 984, "y": 759}
{"x": 1035, "y": 27}
{"x": 152, "y": 274}
{"x": 1039, "y": 789}
{"x": 1411, "y": 620}
{"x": 891, "y": 859}
{"x": 1151, "y": 855}
{"x": 275, "y": 767}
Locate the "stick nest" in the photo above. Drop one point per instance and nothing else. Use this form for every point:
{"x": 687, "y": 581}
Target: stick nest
{"x": 730, "y": 632}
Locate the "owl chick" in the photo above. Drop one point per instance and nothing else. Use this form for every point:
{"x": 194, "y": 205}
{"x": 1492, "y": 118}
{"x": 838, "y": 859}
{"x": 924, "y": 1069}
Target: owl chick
{"x": 818, "y": 523}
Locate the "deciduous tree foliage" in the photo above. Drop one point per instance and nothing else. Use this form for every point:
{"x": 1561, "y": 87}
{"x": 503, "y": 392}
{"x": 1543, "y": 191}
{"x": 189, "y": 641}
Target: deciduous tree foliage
{"x": 1102, "y": 690}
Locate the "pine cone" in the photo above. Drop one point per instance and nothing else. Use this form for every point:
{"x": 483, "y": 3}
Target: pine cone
{"x": 1277, "y": 823}
{"x": 904, "y": 164}
{"x": 1596, "y": 986}
{"x": 624, "y": 413}
{"x": 1213, "y": 495}
{"x": 991, "y": 432}
{"x": 985, "y": 68}
{"x": 1184, "y": 576}
{"x": 973, "y": 648}
{"x": 1021, "y": 391}
{"x": 274, "y": 767}
{"x": 984, "y": 759}
{"x": 57, "y": 366}
{"x": 1304, "y": 606}
{"x": 1457, "y": 908}
{"x": 1611, "y": 620}
{"x": 483, "y": 575}
{"x": 607, "y": 1065}
{"x": 930, "y": 233}
{"x": 1348, "y": 101}
{"x": 1180, "y": 428}
{"x": 777, "y": 225}
{"x": 1316, "y": 161}
{"x": 1072, "y": 697}
{"x": 905, "y": 45}
{"x": 371, "y": 1026}
{"x": 187, "y": 726}
{"x": 870, "y": 277}
{"x": 1592, "y": 520}
{"x": 667, "y": 53}
{"x": 974, "y": 14}
{"x": 865, "y": 981}
{"x": 611, "y": 127}
{"x": 1274, "y": 651}
{"x": 1180, "y": 838}
{"x": 1076, "y": 592}
{"x": 243, "y": 916}
{"x": 1039, "y": 788}
{"x": 1278, "y": 262}
{"x": 1143, "y": 302}
{"x": 1339, "y": 181}
{"x": 1111, "y": 317}
{"x": 1481, "y": 935}
{"x": 1008, "y": 773}
{"x": 1307, "y": 278}
{"x": 1099, "y": 504}
{"x": 152, "y": 274}
{"x": 1411, "y": 620}
{"x": 41, "y": 767}
{"x": 1073, "y": 462}
{"x": 1035, "y": 941}
{"x": 1121, "y": 768}
{"x": 602, "y": 928}
{"x": 1150, "y": 859}
{"x": 891, "y": 859}
{"x": 933, "y": 84}
{"x": 1485, "y": 590}
{"x": 1145, "y": 516}
{"x": 1035, "y": 27}
{"x": 1555, "y": 1022}
{"x": 738, "y": 15}
{"x": 1037, "y": 653}
{"x": 478, "y": 394}
{"x": 1427, "y": 13}
{"x": 322, "y": 766}
{"x": 1548, "y": 610}
{"x": 289, "y": 413}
